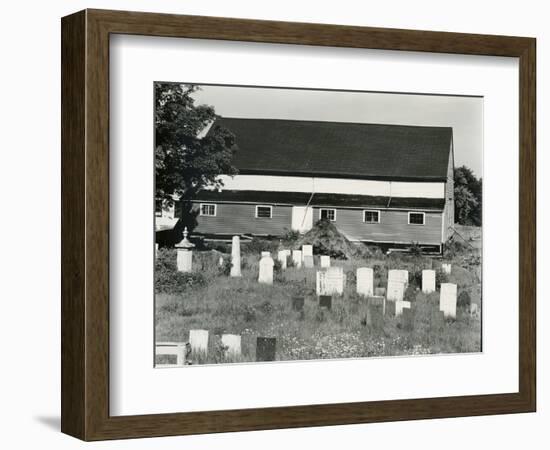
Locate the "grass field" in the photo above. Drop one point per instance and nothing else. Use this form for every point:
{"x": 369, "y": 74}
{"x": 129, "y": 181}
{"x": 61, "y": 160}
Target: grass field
{"x": 209, "y": 299}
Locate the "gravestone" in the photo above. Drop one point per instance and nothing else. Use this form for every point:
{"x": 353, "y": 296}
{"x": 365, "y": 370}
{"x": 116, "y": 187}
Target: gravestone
{"x": 236, "y": 257}
{"x": 408, "y": 319}
{"x": 308, "y": 262}
{"x": 184, "y": 257}
{"x": 233, "y": 344}
{"x": 266, "y": 348}
{"x": 428, "y": 281}
{"x": 330, "y": 281}
{"x": 396, "y": 291}
{"x": 375, "y": 316}
{"x": 297, "y": 258}
{"x": 399, "y": 275}
{"x": 325, "y": 261}
{"x": 198, "y": 339}
{"x": 156, "y": 249}
{"x": 380, "y": 291}
{"x": 325, "y": 301}
{"x": 220, "y": 261}
{"x": 446, "y": 268}
{"x": 307, "y": 250}
{"x": 266, "y": 269}
{"x": 399, "y": 306}
{"x": 365, "y": 279}
{"x": 298, "y": 303}
{"x": 447, "y": 300}
{"x": 282, "y": 257}
{"x": 474, "y": 310}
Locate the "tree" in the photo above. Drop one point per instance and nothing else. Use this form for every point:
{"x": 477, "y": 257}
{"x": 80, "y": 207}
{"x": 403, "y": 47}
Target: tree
{"x": 468, "y": 197}
{"x": 186, "y": 159}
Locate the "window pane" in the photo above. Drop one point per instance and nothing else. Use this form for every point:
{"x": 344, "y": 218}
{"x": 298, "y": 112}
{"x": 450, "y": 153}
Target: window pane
{"x": 329, "y": 214}
{"x": 371, "y": 217}
{"x": 263, "y": 211}
{"x": 208, "y": 210}
{"x": 416, "y": 218}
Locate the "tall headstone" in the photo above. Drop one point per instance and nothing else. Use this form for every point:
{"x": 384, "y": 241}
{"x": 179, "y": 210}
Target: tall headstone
{"x": 447, "y": 299}
{"x": 307, "y": 250}
{"x": 325, "y": 261}
{"x": 184, "y": 258}
{"x": 282, "y": 258}
{"x": 198, "y": 339}
{"x": 395, "y": 291}
{"x": 446, "y": 268}
{"x": 266, "y": 348}
{"x": 236, "y": 257}
{"x": 297, "y": 258}
{"x": 365, "y": 281}
{"x": 428, "y": 281}
{"x": 330, "y": 281}
{"x": 399, "y": 275}
{"x": 266, "y": 269}
{"x": 233, "y": 344}
{"x": 399, "y": 306}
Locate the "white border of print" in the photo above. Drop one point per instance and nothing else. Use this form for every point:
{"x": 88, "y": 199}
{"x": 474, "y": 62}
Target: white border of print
{"x": 137, "y": 388}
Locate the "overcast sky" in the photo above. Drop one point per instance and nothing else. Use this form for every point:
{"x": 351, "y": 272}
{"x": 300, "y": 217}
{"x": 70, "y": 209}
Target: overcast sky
{"x": 463, "y": 114}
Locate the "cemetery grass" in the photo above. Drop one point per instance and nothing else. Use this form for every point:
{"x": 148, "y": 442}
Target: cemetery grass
{"x": 209, "y": 299}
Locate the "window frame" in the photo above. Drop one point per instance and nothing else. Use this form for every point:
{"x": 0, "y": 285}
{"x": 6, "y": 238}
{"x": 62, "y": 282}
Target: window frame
{"x": 377, "y": 211}
{"x": 208, "y": 204}
{"x": 416, "y": 212}
{"x": 264, "y": 206}
{"x": 327, "y": 209}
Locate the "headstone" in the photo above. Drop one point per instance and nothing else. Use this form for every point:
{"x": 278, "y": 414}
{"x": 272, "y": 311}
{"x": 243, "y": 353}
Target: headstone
{"x": 330, "y": 281}
{"x": 308, "y": 262}
{"x": 474, "y": 310}
{"x": 325, "y": 261}
{"x": 307, "y": 250}
{"x": 399, "y": 306}
{"x": 297, "y": 258}
{"x": 266, "y": 348}
{"x": 266, "y": 269}
{"x": 446, "y": 268}
{"x": 375, "y": 316}
{"x": 396, "y": 291}
{"x": 325, "y": 301}
{"x": 220, "y": 261}
{"x": 408, "y": 319}
{"x": 236, "y": 257}
{"x": 198, "y": 339}
{"x": 184, "y": 258}
{"x": 298, "y": 303}
{"x": 365, "y": 278}
{"x": 447, "y": 299}
{"x": 156, "y": 249}
{"x": 428, "y": 281}
{"x": 380, "y": 291}
{"x": 282, "y": 257}
{"x": 233, "y": 344}
{"x": 399, "y": 275}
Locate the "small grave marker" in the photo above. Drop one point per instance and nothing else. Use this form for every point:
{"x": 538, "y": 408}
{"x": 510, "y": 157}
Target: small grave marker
{"x": 233, "y": 344}
{"x": 428, "y": 281}
{"x": 297, "y": 258}
{"x": 365, "y": 279}
{"x": 399, "y": 306}
{"x": 308, "y": 262}
{"x": 396, "y": 291}
{"x": 446, "y": 268}
{"x": 325, "y": 301}
{"x": 266, "y": 348}
{"x": 282, "y": 257}
{"x": 447, "y": 299}
{"x": 266, "y": 269}
{"x": 198, "y": 339}
{"x": 330, "y": 281}
{"x": 325, "y": 261}
{"x": 398, "y": 275}
{"x": 307, "y": 250}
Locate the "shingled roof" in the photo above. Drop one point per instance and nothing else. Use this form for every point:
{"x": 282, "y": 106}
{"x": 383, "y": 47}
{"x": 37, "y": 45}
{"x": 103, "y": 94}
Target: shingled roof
{"x": 338, "y": 149}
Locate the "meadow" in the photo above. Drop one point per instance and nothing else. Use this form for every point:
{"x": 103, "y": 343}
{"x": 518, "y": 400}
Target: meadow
{"x": 208, "y": 298}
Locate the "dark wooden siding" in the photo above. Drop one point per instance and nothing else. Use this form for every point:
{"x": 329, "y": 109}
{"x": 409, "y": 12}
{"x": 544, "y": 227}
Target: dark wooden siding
{"x": 449, "y": 217}
{"x": 393, "y": 226}
{"x": 234, "y": 218}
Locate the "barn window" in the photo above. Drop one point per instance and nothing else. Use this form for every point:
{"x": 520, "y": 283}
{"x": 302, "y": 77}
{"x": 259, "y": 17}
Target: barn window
{"x": 329, "y": 214}
{"x": 416, "y": 218}
{"x": 264, "y": 212}
{"x": 208, "y": 209}
{"x": 370, "y": 216}
{"x": 158, "y": 208}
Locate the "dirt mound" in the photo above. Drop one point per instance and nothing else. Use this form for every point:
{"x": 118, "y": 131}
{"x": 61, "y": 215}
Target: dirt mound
{"x": 327, "y": 240}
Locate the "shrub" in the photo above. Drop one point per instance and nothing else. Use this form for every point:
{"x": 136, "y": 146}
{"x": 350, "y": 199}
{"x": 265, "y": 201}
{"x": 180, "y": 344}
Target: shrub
{"x": 257, "y": 246}
{"x": 463, "y": 300}
{"x": 440, "y": 277}
{"x": 410, "y": 294}
{"x": 415, "y": 249}
{"x": 225, "y": 268}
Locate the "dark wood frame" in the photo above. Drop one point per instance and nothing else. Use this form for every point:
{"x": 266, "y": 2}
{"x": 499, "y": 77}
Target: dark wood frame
{"x": 85, "y": 224}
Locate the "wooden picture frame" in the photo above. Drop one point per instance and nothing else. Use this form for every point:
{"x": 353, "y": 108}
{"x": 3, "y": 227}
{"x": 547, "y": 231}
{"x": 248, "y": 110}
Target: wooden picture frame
{"x": 85, "y": 224}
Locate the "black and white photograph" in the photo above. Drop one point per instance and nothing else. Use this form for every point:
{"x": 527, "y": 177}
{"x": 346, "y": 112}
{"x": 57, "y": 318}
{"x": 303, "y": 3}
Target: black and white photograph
{"x": 300, "y": 224}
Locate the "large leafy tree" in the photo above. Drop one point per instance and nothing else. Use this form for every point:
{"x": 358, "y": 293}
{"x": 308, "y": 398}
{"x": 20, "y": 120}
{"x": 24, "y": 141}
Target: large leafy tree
{"x": 187, "y": 158}
{"x": 468, "y": 197}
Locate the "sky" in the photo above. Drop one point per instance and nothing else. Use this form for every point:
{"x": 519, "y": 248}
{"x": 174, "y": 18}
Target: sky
{"x": 464, "y": 114}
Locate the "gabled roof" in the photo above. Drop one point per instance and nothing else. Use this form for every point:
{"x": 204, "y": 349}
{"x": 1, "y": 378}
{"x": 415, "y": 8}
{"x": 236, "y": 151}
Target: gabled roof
{"x": 320, "y": 199}
{"x": 338, "y": 149}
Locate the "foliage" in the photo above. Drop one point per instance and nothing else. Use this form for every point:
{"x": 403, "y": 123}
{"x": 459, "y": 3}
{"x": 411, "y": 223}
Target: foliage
{"x": 415, "y": 249}
{"x": 468, "y": 197}
{"x": 225, "y": 268}
{"x": 167, "y": 277}
{"x": 185, "y": 160}
{"x": 257, "y": 245}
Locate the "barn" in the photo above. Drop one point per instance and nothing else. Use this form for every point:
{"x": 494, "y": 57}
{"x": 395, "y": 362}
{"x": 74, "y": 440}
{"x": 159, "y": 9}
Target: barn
{"x": 377, "y": 183}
